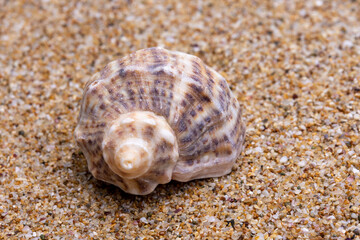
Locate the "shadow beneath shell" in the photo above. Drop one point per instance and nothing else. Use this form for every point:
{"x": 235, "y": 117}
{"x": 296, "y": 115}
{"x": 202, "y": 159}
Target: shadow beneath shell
{"x": 173, "y": 188}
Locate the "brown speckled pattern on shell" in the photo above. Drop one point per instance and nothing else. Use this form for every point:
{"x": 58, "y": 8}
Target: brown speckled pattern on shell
{"x": 193, "y": 98}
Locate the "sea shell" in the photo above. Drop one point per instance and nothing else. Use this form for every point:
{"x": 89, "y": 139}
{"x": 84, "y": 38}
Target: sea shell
{"x": 158, "y": 115}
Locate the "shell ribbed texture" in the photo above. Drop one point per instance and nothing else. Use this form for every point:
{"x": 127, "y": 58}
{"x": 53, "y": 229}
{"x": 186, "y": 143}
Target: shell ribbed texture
{"x": 194, "y": 100}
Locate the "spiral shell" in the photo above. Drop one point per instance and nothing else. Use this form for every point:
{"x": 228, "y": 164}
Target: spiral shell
{"x": 158, "y": 115}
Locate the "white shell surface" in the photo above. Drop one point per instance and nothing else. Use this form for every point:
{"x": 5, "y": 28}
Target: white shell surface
{"x": 203, "y": 116}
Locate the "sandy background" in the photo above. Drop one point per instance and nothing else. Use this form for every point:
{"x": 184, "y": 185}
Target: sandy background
{"x": 293, "y": 65}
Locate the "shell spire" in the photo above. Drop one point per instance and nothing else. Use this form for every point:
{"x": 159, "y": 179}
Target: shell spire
{"x": 158, "y": 115}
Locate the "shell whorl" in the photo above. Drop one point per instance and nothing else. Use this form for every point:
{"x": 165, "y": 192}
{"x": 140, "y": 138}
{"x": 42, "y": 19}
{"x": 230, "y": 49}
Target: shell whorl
{"x": 174, "y": 88}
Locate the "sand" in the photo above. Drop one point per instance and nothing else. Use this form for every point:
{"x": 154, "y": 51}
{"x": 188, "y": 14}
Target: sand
{"x": 293, "y": 65}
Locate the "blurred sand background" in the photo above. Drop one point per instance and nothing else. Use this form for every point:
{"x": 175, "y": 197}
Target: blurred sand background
{"x": 293, "y": 65}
